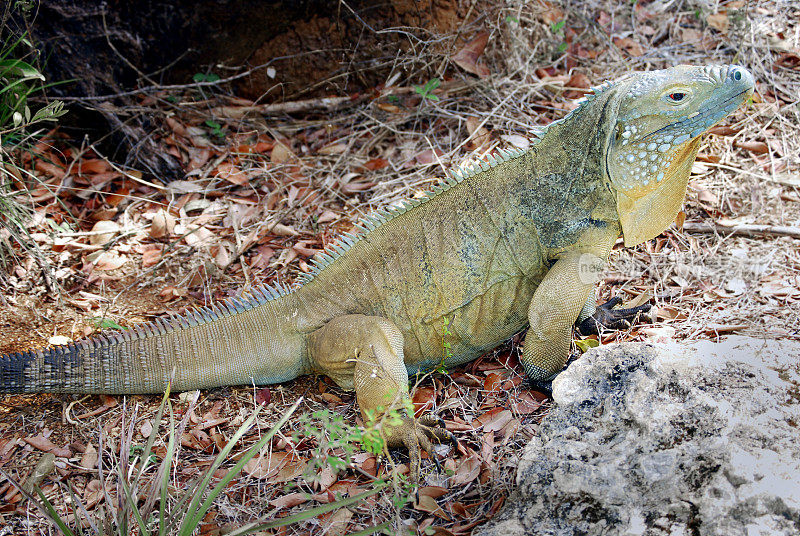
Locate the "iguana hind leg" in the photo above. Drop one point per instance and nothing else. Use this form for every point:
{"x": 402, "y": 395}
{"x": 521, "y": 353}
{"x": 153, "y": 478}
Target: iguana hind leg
{"x": 365, "y": 353}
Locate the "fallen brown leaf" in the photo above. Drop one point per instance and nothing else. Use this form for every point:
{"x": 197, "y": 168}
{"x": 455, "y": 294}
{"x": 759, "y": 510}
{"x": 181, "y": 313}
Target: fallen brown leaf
{"x": 281, "y": 153}
{"x": 719, "y": 21}
{"x": 757, "y": 147}
{"x": 467, "y": 470}
{"x": 42, "y": 443}
{"x": 89, "y": 458}
{"x": 629, "y": 45}
{"x": 467, "y": 57}
{"x": 289, "y": 500}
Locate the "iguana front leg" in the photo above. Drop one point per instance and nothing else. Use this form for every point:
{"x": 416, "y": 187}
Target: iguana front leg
{"x": 559, "y": 299}
{"x": 365, "y": 353}
{"x": 606, "y": 316}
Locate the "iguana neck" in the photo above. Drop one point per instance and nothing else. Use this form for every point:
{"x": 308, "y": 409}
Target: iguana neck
{"x": 572, "y": 151}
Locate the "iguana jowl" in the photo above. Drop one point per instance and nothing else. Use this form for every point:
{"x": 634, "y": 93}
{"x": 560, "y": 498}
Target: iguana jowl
{"x": 508, "y": 242}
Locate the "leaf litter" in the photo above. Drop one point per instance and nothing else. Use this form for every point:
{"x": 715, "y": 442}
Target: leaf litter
{"x": 257, "y": 203}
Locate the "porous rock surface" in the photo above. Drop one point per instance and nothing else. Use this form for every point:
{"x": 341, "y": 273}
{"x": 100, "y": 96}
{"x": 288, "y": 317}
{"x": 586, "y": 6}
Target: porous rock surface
{"x": 700, "y": 439}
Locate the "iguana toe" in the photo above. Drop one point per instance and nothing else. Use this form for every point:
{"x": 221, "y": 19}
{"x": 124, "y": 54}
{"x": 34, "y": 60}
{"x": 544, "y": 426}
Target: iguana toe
{"x": 609, "y": 318}
{"x": 417, "y": 435}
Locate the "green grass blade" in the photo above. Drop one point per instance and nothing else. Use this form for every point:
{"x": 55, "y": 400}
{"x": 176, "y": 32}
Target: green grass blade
{"x": 52, "y": 514}
{"x": 132, "y": 505}
{"x": 195, "y": 519}
{"x": 307, "y": 514}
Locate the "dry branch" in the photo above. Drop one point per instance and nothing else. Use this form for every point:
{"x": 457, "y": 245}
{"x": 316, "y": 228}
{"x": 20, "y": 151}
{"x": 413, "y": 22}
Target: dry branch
{"x": 750, "y": 230}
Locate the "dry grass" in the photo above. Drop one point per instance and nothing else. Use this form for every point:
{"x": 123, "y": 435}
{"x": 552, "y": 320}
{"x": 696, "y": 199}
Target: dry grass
{"x": 703, "y": 284}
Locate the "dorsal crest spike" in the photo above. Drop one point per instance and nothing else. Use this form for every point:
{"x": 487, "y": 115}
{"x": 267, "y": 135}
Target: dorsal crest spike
{"x": 369, "y": 222}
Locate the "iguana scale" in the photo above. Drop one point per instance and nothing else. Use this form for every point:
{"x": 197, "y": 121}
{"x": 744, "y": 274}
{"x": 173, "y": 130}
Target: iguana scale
{"x": 514, "y": 240}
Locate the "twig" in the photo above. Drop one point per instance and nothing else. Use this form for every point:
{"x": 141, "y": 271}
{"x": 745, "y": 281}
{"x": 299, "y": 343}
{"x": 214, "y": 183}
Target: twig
{"x": 194, "y": 85}
{"x": 751, "y": 230}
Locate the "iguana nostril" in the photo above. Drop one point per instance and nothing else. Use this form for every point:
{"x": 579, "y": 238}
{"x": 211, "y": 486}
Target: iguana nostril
{"x": 736, "y": 75}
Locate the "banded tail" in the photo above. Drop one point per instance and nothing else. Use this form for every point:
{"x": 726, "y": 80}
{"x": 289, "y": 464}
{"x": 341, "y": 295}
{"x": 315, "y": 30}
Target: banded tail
{"x": 237, "y": 341}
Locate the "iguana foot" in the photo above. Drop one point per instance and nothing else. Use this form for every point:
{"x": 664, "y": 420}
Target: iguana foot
{"x": 609, "y": 318}
{"x": 417, "y": 435}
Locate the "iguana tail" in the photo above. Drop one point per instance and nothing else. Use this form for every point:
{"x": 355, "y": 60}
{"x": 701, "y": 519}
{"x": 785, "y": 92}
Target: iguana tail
{"x": 234, "y": 342}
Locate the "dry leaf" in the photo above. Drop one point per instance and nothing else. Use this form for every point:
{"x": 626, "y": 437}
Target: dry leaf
{"x": 526, "y": 403}
{"x": 93, "y": 494}
{"x": 335, "y": 524}
{"x": 199, "y": 237}
{"x": 58, "y": 340}
{"x": 467, "y": 470}
{"x": 479, "y": 136}
{"x": 42, "y": 443}
{"x": 433, "y": 491}
{"x": 109, "y": 260}
{"x": 427, "y": 157}
{"x": 516, "y": 140}
{"x": 467, "y": 57}
{"x": 146, "y": 429}
{"x": 163, "y": 224}
{"x": 266, "y": 466}
{"x": 426, "y": 503}
{"x": 661, "y": 335}
{"x": 333, "y": 148}
{"x": 391, "y": 108}
{"x": 280, "y": 153}
{"x": 723, "y": 130}
{"x": 89, "y": 458}
{"x": 757, "y": 147}
{"x": 719, "y": 21}
{"x": 232, "y": 174}
{"x": 106, "y": 230}
{"x": 289, "y": 500}
{"x": 93, "y": 166}
{"x": 327, "y": 216}
{"x": 629, "y": 45}
{"x": 498, "y": 421}
{"x": 280, "y": 229}
{"x": 290, "y": 471}
{"x": 423, "y": 399}
{"x": 376, "y": 163}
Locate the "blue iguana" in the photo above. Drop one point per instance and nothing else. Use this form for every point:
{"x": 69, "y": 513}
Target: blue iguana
{"x": 511, "y": 241}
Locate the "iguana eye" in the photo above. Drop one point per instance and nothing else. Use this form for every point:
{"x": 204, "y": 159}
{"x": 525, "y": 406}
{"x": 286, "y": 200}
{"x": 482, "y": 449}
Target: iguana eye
{"x": 676, "y": 96}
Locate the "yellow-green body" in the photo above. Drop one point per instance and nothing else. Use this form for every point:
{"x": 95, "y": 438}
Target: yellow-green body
{"x": 516, "y": 240}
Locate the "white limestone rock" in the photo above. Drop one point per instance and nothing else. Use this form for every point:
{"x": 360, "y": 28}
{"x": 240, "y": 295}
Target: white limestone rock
{"x": 671, "y": 440}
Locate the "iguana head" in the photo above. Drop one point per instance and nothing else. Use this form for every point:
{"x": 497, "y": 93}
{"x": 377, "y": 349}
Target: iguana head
{"x": 660, "y": 119}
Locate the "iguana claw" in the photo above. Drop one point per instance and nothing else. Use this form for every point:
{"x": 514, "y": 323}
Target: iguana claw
{"x": 609, "y": 318}
{"x": 420, "y": 434}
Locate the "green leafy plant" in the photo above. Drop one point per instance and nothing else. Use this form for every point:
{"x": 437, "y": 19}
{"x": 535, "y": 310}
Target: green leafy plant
{"x": 447, "y": 347}
{"x": 558, "y": 29}
{"x": 427, "y": 90}
{"x": 147, "y": 506}
{"x": 106, "y": 323}
{"x": 205, "y": 77}
{"x": 20, "y": 79}
{"x": 216, "y": 128}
